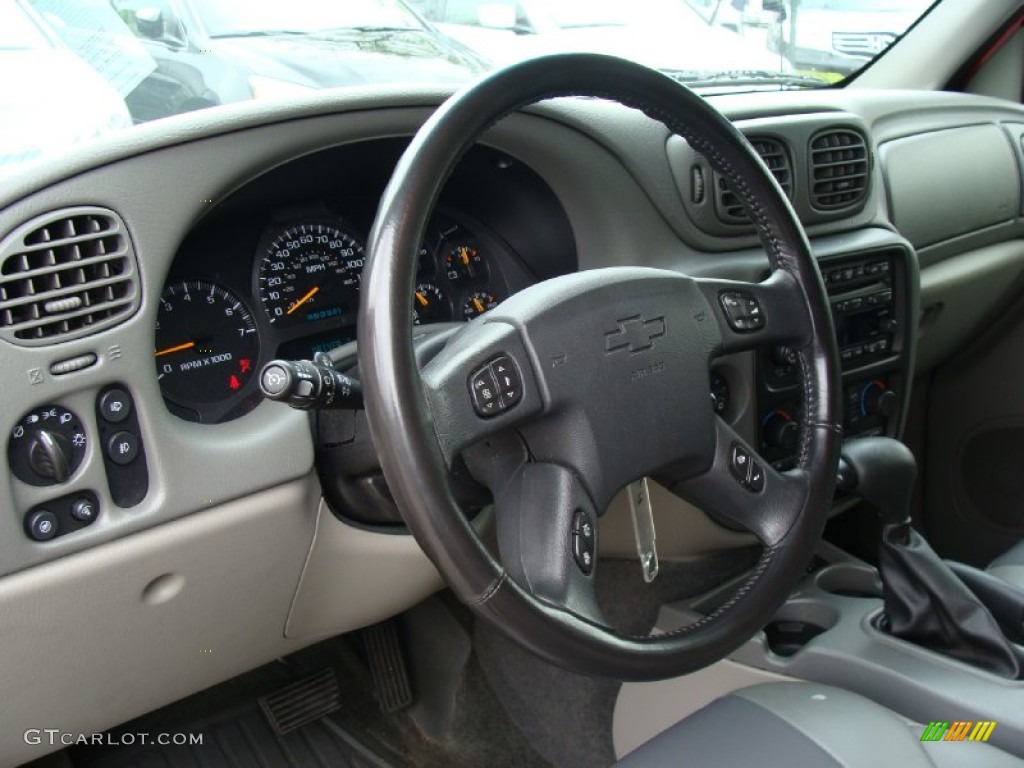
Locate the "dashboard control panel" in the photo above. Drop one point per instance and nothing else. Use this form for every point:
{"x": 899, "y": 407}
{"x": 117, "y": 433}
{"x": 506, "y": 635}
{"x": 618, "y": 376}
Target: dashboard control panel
{"x": 868, "y": 294}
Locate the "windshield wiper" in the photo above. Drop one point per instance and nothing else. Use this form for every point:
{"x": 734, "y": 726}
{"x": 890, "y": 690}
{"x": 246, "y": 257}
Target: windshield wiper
{"x": 373, "y": 28}
{"x": 263, "y": 33}
{"x": 743, "y": 77}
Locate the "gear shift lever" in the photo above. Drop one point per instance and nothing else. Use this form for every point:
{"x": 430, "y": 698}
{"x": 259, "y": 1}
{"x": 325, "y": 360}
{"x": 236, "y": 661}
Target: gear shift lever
{"x": 924, "y": 602}
{"x": 881, "y": 471}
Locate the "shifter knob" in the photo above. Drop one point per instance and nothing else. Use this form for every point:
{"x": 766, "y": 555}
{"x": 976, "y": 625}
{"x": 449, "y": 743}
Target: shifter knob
{"x": 881, "y": 471}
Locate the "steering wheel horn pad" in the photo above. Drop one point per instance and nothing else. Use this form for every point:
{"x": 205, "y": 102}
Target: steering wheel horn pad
{"x": 614, "y": 368}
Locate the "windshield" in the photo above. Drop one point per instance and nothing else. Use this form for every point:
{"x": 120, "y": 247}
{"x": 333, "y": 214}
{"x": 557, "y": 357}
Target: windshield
{"x": 594, "y": 13}
{"x": 223, "y": 18}
{"x": 17, "y": 31}
{"x": 122, "y": 63}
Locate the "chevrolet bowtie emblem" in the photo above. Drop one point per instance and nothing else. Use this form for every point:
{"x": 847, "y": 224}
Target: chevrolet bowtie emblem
{"x": 634, "y": 334}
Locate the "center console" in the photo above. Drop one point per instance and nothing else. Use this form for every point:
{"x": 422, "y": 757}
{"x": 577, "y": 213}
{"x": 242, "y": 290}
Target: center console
{"x": 871, "y": 291}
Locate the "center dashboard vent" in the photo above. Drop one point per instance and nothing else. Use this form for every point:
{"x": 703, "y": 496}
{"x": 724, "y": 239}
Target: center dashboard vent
{"x": 774, "y": 154}
{"x": 66, "y": 275}
{"x": 839, "y": 166}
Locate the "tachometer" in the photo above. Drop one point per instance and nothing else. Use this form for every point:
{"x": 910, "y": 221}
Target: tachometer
{"x": 207, "y": 345}
{"x": 311, "y": 272}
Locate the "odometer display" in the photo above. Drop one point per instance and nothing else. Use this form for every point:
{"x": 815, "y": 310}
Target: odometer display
{"x": 207, "y": 347}
{"x": 310, "y": 273}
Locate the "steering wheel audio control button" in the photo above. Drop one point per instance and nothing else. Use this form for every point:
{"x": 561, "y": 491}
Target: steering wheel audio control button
{"x": 584, "y": 541}
{"x": 484, "y": 391}
{"x": 496, "y": 387}
{"x": 42, "y": 525}
{"x": 122, "y": 448}
{"x": 742, "y": 311}
{"x": 510, "y": 383}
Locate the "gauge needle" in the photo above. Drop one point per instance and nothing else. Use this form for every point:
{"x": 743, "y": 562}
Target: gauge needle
{"x": 179, "y": 348}
{"x": 478, "y": 304}
{"x": 304, "y": 299}
{"x": 421, "y": 299}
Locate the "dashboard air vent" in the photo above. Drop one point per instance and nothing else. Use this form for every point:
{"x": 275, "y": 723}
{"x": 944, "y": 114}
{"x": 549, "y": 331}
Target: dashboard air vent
{"x": 65, "y": 275}
{"x": 839, "y": 167}
{"x": 774, "y": 154}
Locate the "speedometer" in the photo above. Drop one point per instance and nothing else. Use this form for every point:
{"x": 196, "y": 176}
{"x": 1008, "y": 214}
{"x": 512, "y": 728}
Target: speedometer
{"x": 311, "y": 272}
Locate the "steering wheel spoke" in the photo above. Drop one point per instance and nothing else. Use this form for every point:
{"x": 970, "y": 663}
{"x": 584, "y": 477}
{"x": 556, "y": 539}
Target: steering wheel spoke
{"x": 480, "y": 383}
{"x": 751, "y": 315}
{"x": 548, "y": 536}
{"x": 745, "y": 491}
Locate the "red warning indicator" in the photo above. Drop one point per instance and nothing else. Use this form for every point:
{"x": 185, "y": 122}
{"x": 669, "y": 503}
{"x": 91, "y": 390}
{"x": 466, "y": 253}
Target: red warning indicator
{"x": 244, "y": 365}
{"x": 234, "y": 383}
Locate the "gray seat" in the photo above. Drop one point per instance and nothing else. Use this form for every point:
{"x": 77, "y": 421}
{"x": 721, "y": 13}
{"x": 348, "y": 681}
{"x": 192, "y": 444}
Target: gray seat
{"x": 1009, "y": 566}
{"x": 784, "y": 725}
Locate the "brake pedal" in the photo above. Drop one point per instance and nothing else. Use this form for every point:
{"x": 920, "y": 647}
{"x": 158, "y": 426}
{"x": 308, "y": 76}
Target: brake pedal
{"x": 301, "y": 703}
{"x": 387, "y": 666}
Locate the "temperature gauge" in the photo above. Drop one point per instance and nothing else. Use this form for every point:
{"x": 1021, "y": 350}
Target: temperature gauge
{"x": 428, "y": 305}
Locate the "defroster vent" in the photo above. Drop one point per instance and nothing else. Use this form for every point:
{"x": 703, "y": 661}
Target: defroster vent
{"x": 774, "y": 154}
{"x": 65, "y": 275}
{"x": 839, "y": 166}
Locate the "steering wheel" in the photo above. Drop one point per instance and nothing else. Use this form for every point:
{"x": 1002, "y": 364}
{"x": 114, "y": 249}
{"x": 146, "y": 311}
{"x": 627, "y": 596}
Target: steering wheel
{"x": 577, "y": 386}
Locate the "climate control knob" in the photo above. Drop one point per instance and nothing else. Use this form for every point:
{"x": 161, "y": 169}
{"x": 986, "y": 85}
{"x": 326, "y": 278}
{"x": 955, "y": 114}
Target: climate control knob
{"x": 779, "y": 430}
{"x": 876, "y": 399}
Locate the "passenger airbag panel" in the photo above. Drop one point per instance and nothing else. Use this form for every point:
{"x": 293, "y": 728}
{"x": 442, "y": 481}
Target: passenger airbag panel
{"x": 949, "y": 183}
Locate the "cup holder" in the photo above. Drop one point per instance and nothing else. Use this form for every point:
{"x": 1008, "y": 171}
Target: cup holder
{"x": 796, "y": 624}
{"x": 849, "y": 580}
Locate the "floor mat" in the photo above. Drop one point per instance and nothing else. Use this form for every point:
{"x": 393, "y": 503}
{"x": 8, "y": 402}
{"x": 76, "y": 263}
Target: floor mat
{"x": 245, "y": 741}
{"x": 237, "y": 734}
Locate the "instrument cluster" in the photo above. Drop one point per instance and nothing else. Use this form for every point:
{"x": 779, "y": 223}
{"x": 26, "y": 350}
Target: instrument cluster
{"x": 296, "y": 293}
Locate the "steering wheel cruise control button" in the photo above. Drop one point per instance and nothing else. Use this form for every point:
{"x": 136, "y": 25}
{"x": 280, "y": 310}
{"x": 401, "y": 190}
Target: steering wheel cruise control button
{"x": 745, "y": 469}
{"x": 41, "y": 525}
{"x": 584, "y": 541}
{"x": 739, "y": 462}
{"x": 496, "y": 387}
{"x": 742, "y": 311}
{"x": 122, "y": 448}
{"x": 755, "y": 480}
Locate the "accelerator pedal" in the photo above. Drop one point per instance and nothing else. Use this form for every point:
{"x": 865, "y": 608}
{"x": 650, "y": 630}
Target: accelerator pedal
{"x": 387, "y": 666}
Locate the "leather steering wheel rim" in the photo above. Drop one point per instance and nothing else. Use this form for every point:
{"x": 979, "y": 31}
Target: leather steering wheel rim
{"x": 408, "y": 423}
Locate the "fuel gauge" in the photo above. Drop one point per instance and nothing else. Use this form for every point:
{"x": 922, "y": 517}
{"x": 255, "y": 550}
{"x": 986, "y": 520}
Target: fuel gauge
{"x": 477, "y": 303}
{"x": 463, "y": 263}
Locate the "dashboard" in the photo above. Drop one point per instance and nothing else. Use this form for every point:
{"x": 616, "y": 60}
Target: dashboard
{"x": 270, "y": 278}
{"x": 217, "y": 243}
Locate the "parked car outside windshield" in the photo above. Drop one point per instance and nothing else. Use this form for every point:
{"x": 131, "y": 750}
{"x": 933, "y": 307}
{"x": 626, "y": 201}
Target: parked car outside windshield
{"x": 664, "y": 34}
{"x": 211, "y": 52}
{"x": 165, "y": 57}
{"x": 50, "y": 99}
{"x": 841, "y": 36}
